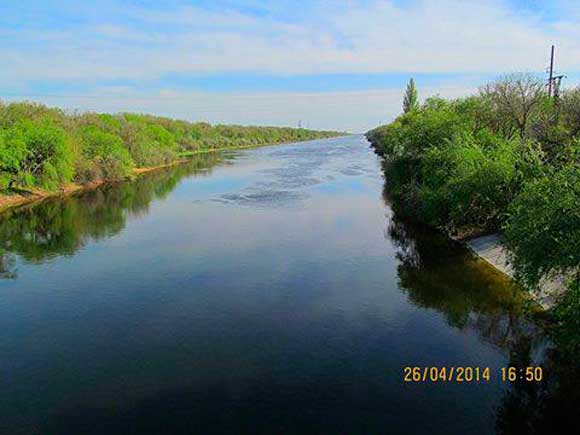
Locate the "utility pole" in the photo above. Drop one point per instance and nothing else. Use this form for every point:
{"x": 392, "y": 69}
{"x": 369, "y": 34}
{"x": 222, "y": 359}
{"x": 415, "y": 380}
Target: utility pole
{"x": 551, "y": 79}
{"x": 557, "y": 84}
{"x": 554, "y": 82}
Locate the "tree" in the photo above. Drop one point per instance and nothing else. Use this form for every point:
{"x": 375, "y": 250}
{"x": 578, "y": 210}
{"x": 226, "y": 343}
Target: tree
{"x": 411, "y": 99}
{"x": 49, "y": 160}
{"x": 13, "y": 153}
{"x": 517, "y": 99}
{"x": 104, "y": 156}
{"x": 570, "y": 110}
{"x": 543, "y": 229}
{"x": 44, "y": 147}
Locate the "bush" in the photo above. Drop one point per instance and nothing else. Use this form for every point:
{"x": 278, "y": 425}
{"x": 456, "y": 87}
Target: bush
{"x": 471, "y": 181}
{"x": 543, "y": 229}
{"x": 104, "y": 156}
{"x": 48, "y": 162}
{"x": 41, "y": 146}
{"x": 570, "y": 111}
{"x": 568, "y": 316}
{"x": 452, "y": 164}
{"x": 435, "y": 123}
{"x": 508, "y": 158}
{"x": 13, "y": 152}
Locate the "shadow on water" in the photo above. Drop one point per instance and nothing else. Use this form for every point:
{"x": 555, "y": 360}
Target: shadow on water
{"x": 60, "y": 226}
{"x": 437, "y": 273}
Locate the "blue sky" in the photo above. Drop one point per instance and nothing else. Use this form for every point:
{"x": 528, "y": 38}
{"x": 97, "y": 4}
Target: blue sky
{"x": 329, "y": 64}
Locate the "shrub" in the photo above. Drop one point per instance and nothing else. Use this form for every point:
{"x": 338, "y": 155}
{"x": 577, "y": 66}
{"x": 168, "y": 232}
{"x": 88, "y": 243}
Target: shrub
{"x": 567, "y": 315}
{"x": 13, "y": 153}
{"x": 48, "y": 162}
{"x": 570, "y": 111}
{"x": 471, "y": 180}
{"x": 543, "y": 229}
{"x": 41, "y": 146}
{"x": 104, "y": 156}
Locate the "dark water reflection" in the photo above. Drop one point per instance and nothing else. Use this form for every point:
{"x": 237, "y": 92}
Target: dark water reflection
{"x": 270, "y": 291}
{"x": 62, "y": 226}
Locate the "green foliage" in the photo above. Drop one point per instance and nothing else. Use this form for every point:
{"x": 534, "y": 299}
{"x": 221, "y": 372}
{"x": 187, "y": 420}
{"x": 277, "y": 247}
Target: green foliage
{"x": 506, "y": 159}
{"x": 569, "y": 109}
{"x": 411, "y": 99}
{"x": 14, "y": 113}
{"x": 543, "y": 229}
{"x": 63, "y": 226}
{"x": 105, "y": 157}
{"x": 568, "y": 327}
{"x": 44, "y": 147}
{"x": 13, "y": 153}
{"x": 435, "y": 123}
{"x": 453, "y": 166}
{"x": 48, "y": 161}
{"x": 471, "y": 180}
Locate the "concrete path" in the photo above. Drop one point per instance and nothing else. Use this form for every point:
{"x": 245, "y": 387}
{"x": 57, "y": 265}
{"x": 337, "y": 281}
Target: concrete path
{"x": 490, "y": 249}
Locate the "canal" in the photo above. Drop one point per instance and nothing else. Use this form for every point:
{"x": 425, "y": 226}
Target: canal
{"x": 266, "y": 291}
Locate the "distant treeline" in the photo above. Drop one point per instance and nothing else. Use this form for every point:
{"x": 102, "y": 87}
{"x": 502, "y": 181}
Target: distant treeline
{"x": 506, "y": 159}
{"x": 47, "y": 147}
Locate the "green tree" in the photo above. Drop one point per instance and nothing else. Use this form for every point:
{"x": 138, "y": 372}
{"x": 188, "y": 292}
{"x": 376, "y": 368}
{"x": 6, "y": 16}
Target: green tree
{"x": 46, "y": 147}
{"x": 470, "y": 181}
{"x": 13, "y": 153}
{"x": 543, "y": 229}
{"x": 105, "y": 156}
{"x": 49, "y": 158}
{"x": 411, "y": 99}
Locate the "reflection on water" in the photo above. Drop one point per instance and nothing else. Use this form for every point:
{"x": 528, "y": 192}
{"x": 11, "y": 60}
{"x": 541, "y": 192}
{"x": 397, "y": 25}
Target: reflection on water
{"x": 272, "y": 291}
{"x": 6, "y": 265}
{"x": 547, "y": 407}
{"x": 437, "y": 274}
{"x": 61, "y": 226}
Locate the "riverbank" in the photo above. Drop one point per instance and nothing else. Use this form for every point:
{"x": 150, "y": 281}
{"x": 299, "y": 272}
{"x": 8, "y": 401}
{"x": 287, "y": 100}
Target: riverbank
{"x": 51, "y": 150}
{"x": 27, "y": 196}
{"x": 464, "y": 167}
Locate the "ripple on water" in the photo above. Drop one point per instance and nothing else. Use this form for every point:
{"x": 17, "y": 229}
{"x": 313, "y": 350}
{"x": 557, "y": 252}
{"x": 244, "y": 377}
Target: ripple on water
{"x": 263, "y": 198}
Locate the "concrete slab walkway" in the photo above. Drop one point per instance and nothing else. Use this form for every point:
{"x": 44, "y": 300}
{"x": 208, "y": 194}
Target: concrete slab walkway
{"x": 490, "y": 249}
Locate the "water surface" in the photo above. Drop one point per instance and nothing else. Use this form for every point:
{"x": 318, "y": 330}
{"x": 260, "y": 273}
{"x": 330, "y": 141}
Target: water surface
{"x": 264, "y": 291}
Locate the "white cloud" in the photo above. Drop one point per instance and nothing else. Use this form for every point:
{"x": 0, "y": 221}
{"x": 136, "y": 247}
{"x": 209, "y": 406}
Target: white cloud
{"x": 429, "y": 36}
{"x": 138, "y": 45}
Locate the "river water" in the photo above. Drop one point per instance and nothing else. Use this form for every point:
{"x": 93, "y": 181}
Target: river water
{"x": 264, "y": 291}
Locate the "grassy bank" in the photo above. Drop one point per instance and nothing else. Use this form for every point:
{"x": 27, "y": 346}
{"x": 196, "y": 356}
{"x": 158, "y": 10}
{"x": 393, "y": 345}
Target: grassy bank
{"x": 44, "y": 151}
{"x": 505, "y": 160}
